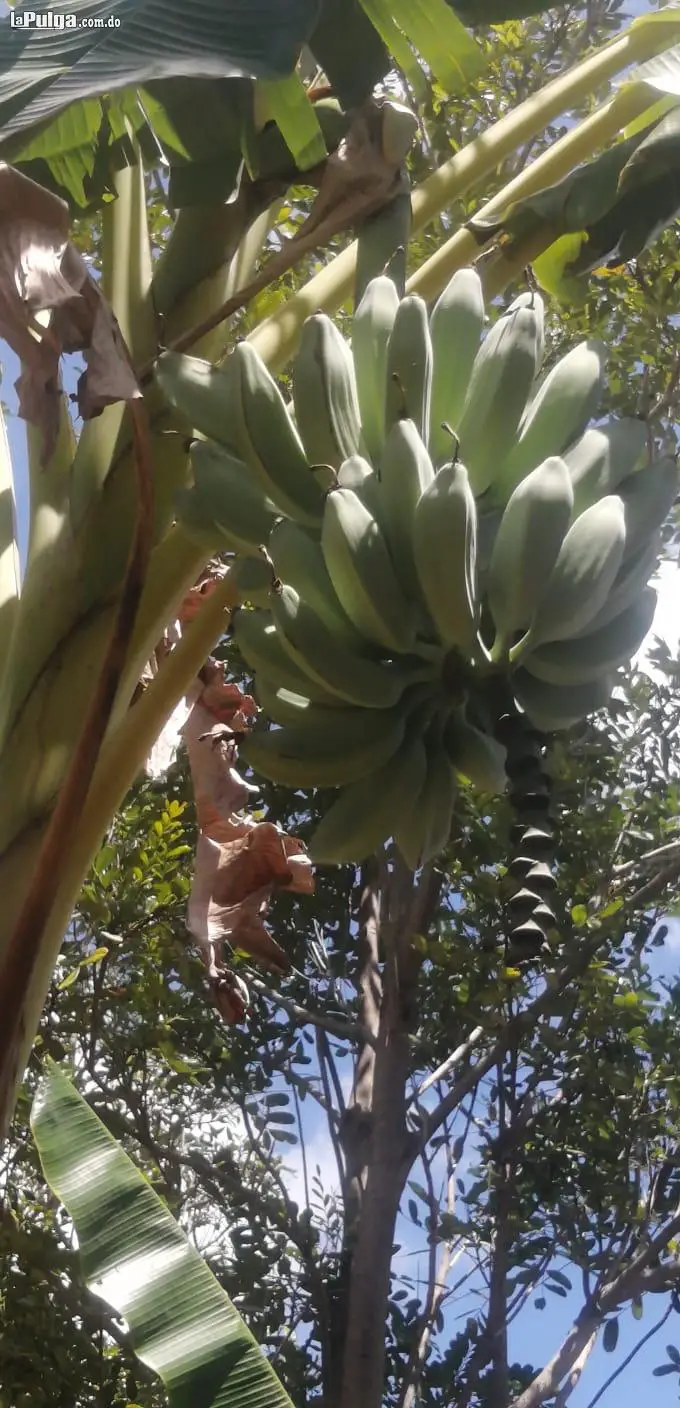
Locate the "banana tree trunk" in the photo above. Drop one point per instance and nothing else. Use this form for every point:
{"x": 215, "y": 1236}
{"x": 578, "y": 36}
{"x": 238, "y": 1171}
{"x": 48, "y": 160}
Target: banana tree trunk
{"x": 55, "y": 634}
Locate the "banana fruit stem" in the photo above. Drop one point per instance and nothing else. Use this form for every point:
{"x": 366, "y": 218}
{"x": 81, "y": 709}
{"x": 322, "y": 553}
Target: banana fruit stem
{"x": 520, "y": 649}
{"x": 276, "y": 338}
{"x": 576, "y": 146}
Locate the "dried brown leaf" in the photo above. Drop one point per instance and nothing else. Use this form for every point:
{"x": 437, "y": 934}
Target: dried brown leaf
{"x": 358, "y": 179}
{"x": 214, "y": 916}
{"x": 239, "y": 861}
{"x": 50, "y": 304}
{"x": 231, "y": 995}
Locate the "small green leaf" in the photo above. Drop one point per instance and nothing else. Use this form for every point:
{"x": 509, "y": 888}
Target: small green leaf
{"x": 95, "y": 957}
{"x": 294, "y": 115}
{"x": 561, "y": 1279}
{"x": 69, "y": 980}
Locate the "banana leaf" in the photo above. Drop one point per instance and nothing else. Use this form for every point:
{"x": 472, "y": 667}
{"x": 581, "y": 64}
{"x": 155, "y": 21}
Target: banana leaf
{"x": 600, "y": 216}
{"x": 63, "y": 90}
{"x": 45, "y": 70}
{"x": 134, "y": 1255}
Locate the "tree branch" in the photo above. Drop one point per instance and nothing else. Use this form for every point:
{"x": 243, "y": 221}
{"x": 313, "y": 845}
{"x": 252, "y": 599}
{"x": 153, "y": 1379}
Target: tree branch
{"x": 631, "y": 1281}
{"x": 351, "y": 1031}
{"x": 461, "y": 1052}
{"x": 436, "y": 1290}
{"x": 576, "y": 1372}
{"x": 630, "y": 1357}
{"x": 525, "y": 1022}
{"x": 323, "y": 1056}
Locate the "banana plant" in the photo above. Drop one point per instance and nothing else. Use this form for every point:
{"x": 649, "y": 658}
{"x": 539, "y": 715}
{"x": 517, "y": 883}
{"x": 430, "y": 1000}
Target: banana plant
{"x": 106, "y": 568}
{"x": 134, "y": 1255}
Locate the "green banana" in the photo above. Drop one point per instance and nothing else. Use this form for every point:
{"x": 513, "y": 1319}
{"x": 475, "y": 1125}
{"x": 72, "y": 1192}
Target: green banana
{"x": 224, "y": 502}
{"x": 634, "y": 573}
{"x": 583, "y": 575}
{"x": 409, "y": 366}
{"x": 369, "y": 811}
{"x": 323, "y": 657}
{"x": 438, "y": 797}
{"x": 239, "y": 405}
{"x": 426, "y": 826}
{"x": 287, "y": 706}
{"x": 326, "y": 755}
{"x": 254, "y": 579}
{"x": 456, "y": 325}
{"x": 445, "y": 550}
{"x": 588, "y": 657}
{"x": 360, "y": 568}
{"x": 559, "y": 412}
{"x": 648, "y": 497}
{"x": 551, "y": 707}
{"x": 405, "y": 473}
{"x": 371, "y": 327}
{"x": 199, "y": 391}
{"x": 299, "y": 561}
{"x": 475, "y": 756}
{"x": 527, "y": 546}
{"x": 356, "y": 473}
{"x": 500, "y": 385}
{"x": 259, "y": 642}
{"x": 325, "y": 394}
{"x": 603, "y": 457}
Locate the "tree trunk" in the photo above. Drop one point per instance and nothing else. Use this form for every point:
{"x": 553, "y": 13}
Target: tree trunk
{"x": 391, "y": 1155}
{"x": 405, "y": 910}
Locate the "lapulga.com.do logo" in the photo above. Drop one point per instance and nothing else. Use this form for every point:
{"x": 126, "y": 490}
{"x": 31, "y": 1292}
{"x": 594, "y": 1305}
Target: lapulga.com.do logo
{"x": 49, "y": 19}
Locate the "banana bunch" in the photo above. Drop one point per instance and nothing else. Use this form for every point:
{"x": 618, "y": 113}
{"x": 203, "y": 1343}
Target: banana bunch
{"x": 436, "y": 537}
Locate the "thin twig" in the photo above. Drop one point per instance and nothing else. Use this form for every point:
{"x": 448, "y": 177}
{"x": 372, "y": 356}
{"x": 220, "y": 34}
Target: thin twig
{"x": 333, "y": 1071}
{"x": 323, "y": 1054}
{"x": 460, "y": 1053}
{"x": 667, "y": 852}
{"x": 303, "y": 1151}
{"x": 629, "y": 1357}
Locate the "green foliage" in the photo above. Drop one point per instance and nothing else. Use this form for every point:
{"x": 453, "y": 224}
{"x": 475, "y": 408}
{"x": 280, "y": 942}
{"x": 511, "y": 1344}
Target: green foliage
{"x": 135, "y": 1256}
{"x": 71, "y": 98}
{"x": 211, "y": 1115}
{"x": 218, "y": 1119}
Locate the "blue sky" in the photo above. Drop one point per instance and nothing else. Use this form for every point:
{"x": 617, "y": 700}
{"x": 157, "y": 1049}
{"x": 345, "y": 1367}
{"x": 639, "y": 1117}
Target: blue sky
{"x": 537, "y": 1334}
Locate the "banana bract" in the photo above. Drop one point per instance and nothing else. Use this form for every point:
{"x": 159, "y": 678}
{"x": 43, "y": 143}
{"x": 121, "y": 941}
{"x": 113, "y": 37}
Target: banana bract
{"x": 448, "y": 543}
